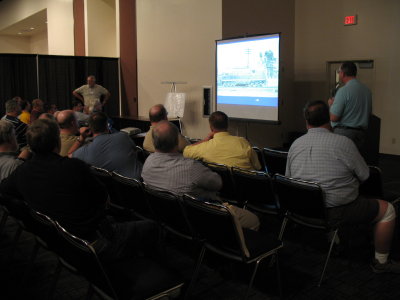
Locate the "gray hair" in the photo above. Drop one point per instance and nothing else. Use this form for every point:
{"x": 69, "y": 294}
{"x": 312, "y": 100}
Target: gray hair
{"x": 165, "y": 136}
{"x": 7, "y": 133}
{"x": 11, "y": 106}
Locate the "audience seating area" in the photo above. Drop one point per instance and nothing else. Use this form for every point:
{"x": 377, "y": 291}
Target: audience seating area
{"x": 207, "y": 226}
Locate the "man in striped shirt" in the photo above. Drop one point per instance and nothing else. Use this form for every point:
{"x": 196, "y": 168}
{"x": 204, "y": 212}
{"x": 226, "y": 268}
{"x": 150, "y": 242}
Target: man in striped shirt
{"x": 168, "y": 170}
{"x": 13, "y": 110}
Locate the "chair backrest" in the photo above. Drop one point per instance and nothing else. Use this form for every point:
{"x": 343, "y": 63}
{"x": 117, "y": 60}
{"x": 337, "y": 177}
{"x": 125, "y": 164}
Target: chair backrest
{"x": 142, "y": 154}
{"x": 215, "y": 223}
{"x": 105, "y": 177}
{"x": 254, "y": 188}
{"x": 275, "y": 161}
{"x": 300, "y": 198}
{"x": 260, "y": 158}
{"x": 228, "y": 188}
{"x": 81, "y": 256}
{"x": 373, "y": 186}
{"x": 129, "y": 194}
{"x": 169, "y": 212}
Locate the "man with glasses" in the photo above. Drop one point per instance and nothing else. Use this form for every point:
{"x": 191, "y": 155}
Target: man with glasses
{"x": 351, "y": 107}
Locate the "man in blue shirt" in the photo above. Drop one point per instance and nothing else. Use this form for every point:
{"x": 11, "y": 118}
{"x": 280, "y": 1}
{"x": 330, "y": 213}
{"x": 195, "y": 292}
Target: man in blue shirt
{"x": 113, "y": 152}
{"x": 351, "y": 107}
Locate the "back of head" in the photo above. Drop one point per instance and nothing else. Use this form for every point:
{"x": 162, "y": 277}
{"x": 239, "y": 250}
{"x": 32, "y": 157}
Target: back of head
{"x": 77, "y": 103}
{"x": 12, "y": 105}
{"x": 47, "y": 116}
{"x": 165, "y": 137}
{"x": 218, "y": 121}
{"x": 7, "y": 133}
{"x": 66, "y": 119}
{"x": 98, "y": 122}
{"x": 43, "y": 136}
{"x": 349, "y": 69}
{"x": 316, "y": 113}
{"x": 157, "y": 113}
{"x": 37, "y": 103}
{"x": 24, "y": 104}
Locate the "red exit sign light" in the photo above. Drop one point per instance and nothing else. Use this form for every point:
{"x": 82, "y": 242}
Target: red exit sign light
{"x": 350, "y": 20}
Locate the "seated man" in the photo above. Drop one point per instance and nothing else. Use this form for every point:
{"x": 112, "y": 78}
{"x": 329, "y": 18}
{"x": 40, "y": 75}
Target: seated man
{"x": 68, "y": 130}
{"x": 74, "y": 197}
{"x": 334, "y": 162}
{"x": 25, "y": 115}
{"x": 113, "y": 152}
{"x": 222, "y": 148}
{"x": 8, "y": 150}
{"x": 37, "y": 109}
{"x": 156, "y": 114}
{"x": 13, "y": 110}
{"x": 168, "y": 170}
{"x": 78, "y": 108}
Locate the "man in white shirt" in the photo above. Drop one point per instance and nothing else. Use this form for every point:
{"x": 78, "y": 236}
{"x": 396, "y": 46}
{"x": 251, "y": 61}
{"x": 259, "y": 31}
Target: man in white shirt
{"x": 90, "y": 94}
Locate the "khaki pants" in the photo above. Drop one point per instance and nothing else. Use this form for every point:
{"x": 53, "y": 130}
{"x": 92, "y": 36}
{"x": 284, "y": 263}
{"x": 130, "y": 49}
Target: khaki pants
{"x": 246, "y": 218}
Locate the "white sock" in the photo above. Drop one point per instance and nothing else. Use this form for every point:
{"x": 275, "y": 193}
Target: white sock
{"x": 381, "y": 257}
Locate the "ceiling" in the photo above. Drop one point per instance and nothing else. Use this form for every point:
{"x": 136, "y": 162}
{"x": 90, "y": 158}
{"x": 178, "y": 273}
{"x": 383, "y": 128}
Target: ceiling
{"x": 29, "y": 26}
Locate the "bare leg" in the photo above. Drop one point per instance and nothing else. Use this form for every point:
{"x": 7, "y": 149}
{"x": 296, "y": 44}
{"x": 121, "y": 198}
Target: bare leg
{"x": 383, "y": 230}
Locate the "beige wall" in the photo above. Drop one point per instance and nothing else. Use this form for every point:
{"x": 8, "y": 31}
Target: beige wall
{"x": 321, "y": 37}
{"x": 59, "y": 16}
{"x": 14, "y": 44}
{"x": 39, "y": 43}
{"x": 176, "y": 42}
{"x": 101, "y": 28}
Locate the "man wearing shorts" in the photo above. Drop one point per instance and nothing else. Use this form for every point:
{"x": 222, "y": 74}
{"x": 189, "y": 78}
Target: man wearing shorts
{"x": 333, "y": 161}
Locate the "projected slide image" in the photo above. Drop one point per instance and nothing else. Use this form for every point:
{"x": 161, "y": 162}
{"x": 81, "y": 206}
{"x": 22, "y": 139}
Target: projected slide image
{"x": 248, "y": 71}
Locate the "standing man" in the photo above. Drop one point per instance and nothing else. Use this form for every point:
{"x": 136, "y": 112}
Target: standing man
{"x": 90, "y": 94}
{"x": 351, "y": 108}
{"x": 37, "y": 109}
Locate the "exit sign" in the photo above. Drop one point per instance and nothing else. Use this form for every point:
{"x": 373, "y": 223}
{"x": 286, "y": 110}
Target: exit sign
{"x": 350, "y": 20}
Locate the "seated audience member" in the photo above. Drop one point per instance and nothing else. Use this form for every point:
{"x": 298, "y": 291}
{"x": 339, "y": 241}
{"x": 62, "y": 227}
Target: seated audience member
{"x": 74, "y": 197}
{"x": 8, "y": 149}
{"x": 168, "y": 170}
{"x": 222, "y": 148}
{"x": 50, "y": 108}
{"x": 78, "y": 108}
{"x": 68, "y": 130}
{"x": 156, "y": 114}
{"x": 37, "y": 109}
{"x": 113, "y": 152}
{"x": 25, "y": 115}
{"x": 334, "y": 162}
{"x": 13, "y": 110}
{"x": 47, "y": 116}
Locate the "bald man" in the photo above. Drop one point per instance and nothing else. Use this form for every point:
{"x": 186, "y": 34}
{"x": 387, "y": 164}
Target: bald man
{"x": 69, "y": 129}
{"x": 157, "y": 114}
{"x": 168, "y": 170}
{"x": 91, "y": 93}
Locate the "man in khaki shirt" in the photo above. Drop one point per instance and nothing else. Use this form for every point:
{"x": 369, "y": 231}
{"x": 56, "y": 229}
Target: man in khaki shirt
{"x": 156, "y": 114}
{"x": 90, "y": 94}
{"x": 222, "y": 148}
{"x": 68, "y": 130}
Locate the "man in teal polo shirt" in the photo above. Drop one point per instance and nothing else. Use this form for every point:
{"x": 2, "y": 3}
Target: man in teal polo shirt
{"x": 351, "y": 108}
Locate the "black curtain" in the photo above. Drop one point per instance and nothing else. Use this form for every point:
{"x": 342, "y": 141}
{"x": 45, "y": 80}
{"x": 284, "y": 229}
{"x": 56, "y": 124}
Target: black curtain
{"x": 60, "y": 75}
{"x": 18, "y": 78}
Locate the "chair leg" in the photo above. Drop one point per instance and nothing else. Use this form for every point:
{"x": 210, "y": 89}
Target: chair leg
{"x": 3, "y": 221}
{"x": 328, "y": 256}
{"x": 278, "y": 274}
{"x": 283, "y": 227}
{"x": 252, "y": 279}
{"x": 195, "y": 272}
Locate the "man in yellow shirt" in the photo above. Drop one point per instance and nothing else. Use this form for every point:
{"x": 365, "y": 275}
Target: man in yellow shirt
{"x": 25, "y": 115}
{"x": 222, "y": 148}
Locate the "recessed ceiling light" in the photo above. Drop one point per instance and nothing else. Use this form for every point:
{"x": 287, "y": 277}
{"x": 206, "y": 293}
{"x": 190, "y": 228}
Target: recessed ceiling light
{"x": 32, "y": 28}
{"x": 19, "y": 32}
{"x": 46, "y": 22}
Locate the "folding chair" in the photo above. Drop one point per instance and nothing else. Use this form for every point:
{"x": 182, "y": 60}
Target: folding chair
{"x": 255, "y": 190}
{"x": 223, "y": 235}
{"x": 275, "y": 161}
{"x": 303, "y": 203}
